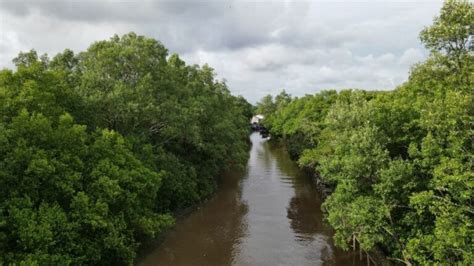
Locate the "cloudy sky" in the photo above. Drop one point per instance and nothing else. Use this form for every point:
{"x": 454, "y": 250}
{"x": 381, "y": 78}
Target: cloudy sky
{"x": 259, "y": 47}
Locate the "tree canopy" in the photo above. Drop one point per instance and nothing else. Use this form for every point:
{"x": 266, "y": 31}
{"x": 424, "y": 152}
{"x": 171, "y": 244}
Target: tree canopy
{"x": 99, "y": 148}
{"x": 400, "y": 163}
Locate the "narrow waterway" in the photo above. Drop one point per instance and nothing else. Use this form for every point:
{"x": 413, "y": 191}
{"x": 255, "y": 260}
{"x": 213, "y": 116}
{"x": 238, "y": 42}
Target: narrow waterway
{"x": 269, "y": 214}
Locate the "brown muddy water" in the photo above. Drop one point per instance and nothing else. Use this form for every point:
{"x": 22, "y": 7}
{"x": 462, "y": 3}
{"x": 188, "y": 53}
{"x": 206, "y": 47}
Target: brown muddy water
{"x": 269, "y": 214}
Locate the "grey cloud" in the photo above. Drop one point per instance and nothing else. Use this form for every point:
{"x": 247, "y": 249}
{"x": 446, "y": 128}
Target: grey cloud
{"x": 258, "y": 47}
{"x": 97, "y": 11}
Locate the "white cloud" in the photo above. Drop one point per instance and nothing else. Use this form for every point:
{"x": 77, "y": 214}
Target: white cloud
{"x": 411, "y": 56}
{"x": 258, "y": 47}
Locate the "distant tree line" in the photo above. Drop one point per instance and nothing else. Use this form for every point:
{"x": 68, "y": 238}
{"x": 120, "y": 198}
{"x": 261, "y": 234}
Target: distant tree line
{"x": 400, "y": 162}
{"x": 99, "y": 148}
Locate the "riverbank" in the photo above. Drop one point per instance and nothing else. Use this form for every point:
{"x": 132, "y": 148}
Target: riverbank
{"x": 375, "y": 256}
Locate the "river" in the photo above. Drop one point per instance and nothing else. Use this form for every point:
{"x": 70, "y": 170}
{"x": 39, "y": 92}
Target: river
{"x": 269, "y": 214}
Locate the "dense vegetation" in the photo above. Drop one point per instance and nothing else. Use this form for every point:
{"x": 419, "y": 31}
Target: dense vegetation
{"x": 98, "y": 149}
{"x": 400, "y": 162}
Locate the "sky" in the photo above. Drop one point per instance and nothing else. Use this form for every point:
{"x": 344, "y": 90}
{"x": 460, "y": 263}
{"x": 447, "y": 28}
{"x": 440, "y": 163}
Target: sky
{"x": 258, "y": 47}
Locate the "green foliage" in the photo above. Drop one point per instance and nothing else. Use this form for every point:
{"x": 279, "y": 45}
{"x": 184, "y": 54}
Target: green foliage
{"x": 266, "y": 106}
{"x": 400, "y": 162}
{"x": 451, "y": 43}
{"x": 97, "y": 150}
{"x": 451, "y": 32}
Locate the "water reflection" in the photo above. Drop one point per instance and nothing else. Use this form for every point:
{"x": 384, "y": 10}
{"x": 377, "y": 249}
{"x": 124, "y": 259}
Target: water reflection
{"x": 206, "y": 236}
{"x": 268, "y": 215}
